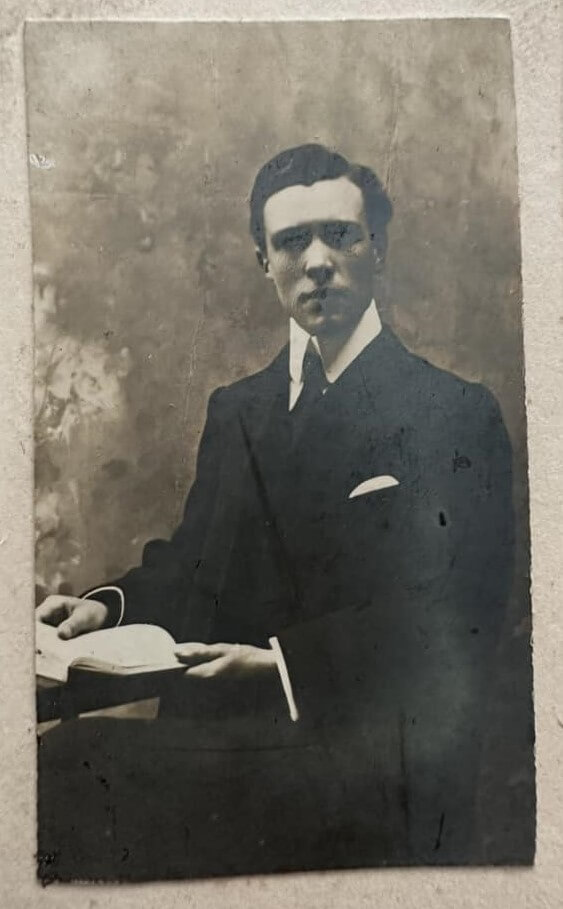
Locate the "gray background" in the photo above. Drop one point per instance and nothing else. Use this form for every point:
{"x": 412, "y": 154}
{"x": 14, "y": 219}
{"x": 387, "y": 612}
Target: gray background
{"x": 144, "y": 143}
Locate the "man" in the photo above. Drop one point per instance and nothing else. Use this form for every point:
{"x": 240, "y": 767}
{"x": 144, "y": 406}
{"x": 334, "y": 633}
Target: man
{"x": 338, "y": 581}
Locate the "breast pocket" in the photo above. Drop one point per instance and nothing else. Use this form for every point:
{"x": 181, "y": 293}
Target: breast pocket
{"x": 373, "y": 510}
{"x": 374, "y": 484}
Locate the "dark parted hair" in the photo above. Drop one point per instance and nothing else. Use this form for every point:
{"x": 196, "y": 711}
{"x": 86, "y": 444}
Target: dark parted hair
{"x": 307, "y": 164}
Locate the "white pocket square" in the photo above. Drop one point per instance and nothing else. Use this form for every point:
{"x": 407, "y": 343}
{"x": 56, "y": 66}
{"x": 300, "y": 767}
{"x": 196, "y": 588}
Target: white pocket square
{"x": 374, "y": 484}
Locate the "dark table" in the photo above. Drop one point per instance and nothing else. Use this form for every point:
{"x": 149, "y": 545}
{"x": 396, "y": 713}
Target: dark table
{"x": 85, "y": 691}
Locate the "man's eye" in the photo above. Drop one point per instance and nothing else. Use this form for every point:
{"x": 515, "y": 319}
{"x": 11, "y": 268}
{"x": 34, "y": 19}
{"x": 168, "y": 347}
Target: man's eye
{"x": 341, "y": 236}
{"x": 296, "y": 241}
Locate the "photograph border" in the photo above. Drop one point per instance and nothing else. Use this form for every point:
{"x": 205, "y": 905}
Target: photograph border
{"x": 535, "y": 34}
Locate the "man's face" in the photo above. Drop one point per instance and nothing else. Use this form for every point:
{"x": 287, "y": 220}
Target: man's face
{"x": 319, "y": 254}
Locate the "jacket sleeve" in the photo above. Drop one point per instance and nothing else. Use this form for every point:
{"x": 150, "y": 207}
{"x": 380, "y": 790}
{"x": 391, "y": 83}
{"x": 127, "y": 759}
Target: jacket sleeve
{"x": 157, "y": 591}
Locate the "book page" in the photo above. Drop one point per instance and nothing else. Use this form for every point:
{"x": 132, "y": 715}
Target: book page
{"x": 110, "y": 649}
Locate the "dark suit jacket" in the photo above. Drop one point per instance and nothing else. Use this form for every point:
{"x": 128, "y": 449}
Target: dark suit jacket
{"x": 387, "y": 606}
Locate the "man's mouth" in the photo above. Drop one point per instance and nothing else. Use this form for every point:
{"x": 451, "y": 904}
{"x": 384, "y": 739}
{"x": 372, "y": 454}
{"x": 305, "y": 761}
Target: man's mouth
{"x": 320, "y": 296}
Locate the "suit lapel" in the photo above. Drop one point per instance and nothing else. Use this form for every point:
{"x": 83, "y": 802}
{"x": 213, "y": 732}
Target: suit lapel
{"x": 384, "y": 397}
{"x": 371, "y": 395}
{"x": 264, "y": 427}
{"x": 264, "y": 412}
{"x": 382, "y": 374}
{"x": 356, "y": 423}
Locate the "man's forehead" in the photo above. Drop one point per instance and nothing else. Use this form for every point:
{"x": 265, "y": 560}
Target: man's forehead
{"x": 326, "y": 200}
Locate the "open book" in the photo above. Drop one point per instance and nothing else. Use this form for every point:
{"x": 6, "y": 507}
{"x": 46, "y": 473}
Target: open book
{"x": 126, "y": 650}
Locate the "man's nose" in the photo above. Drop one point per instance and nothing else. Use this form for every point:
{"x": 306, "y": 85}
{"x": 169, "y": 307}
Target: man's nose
{"x": 318, "y": 262}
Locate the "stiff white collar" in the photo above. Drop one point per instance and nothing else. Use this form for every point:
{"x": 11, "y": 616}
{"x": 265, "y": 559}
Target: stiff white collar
{"x": 364, "y": 333}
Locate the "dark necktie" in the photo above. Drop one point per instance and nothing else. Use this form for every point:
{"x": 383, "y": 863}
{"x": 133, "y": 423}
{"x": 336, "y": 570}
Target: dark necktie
{"x": 314, "y": 384}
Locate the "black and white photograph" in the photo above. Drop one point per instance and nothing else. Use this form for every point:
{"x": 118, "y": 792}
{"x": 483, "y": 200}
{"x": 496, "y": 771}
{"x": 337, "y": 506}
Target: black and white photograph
{"x": 282, "y": 555}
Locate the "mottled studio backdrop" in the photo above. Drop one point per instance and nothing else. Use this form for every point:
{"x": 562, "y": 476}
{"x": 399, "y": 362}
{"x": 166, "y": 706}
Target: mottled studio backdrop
{"x": 144, "y": 140}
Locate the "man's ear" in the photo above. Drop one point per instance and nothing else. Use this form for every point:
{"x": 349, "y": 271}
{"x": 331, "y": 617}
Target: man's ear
{"x": 263, "y": 262}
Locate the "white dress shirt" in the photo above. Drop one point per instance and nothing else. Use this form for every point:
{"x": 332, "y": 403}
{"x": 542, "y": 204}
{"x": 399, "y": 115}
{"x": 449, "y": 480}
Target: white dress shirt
{"x": 366, "y": 330}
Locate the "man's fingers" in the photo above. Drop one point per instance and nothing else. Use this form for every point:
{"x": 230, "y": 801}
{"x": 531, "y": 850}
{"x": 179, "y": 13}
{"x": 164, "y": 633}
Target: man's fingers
{"x": 67, "y": 629}
{"x": 48, "y": 615}
{"x": 208, "y": 670}
{"x": 53, "y": 610}
{"x": 194, "y": 653}
{"x": 78, "y": 623}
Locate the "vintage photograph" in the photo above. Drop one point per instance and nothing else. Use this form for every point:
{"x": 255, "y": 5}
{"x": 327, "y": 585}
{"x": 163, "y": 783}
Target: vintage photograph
{"x": 282, "y": 540}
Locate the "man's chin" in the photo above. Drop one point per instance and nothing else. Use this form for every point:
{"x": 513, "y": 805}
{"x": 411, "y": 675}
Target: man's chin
{"x": 314, "y": 324}
{"x": 316, "y": 319}
{"x": 335, "y": 315}
{"x": 324, "y": 323}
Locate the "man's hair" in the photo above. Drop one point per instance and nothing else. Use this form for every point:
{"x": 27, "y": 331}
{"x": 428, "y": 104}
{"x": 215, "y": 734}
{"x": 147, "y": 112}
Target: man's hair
{"x": 307, "y": 164}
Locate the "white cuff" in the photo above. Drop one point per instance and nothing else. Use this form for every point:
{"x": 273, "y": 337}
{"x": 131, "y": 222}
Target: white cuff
{"x": 285, "y": 680}
{"x": 91, "y": 595}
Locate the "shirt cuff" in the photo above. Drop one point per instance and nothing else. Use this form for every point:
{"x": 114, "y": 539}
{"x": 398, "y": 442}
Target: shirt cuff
{"x": 285, "y": 680}
{"x": 91, "y": 595}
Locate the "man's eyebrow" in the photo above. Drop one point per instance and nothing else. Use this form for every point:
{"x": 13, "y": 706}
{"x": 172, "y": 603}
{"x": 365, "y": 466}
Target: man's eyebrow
{"x": 286, "y": 233}
{"x": 306, "y": 225}
{"x": 311, "y": 225}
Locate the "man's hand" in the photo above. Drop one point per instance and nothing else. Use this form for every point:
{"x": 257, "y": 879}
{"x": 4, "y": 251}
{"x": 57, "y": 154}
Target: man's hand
{"x": 227, "y": 661}
{"x": 71, "y": 615}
